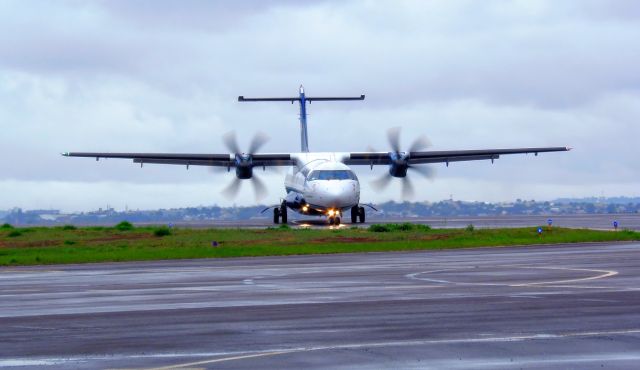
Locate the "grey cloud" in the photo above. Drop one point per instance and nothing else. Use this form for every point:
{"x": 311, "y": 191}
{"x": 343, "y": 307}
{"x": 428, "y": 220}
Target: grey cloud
{"x": 164, "y": 76}
{"x": 203, "y": 15}
{"x": 555, "y": 57}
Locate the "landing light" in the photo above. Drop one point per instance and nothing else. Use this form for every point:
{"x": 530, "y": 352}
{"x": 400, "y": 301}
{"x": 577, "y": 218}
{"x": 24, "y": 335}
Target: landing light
{"x": 331, "y": 212}
{"x": 305, "y": 208}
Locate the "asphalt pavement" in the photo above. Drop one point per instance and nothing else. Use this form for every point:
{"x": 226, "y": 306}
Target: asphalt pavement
{"x": 559, "y": 307}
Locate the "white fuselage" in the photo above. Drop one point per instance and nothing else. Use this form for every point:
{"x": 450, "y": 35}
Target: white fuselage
{"x": 320, "y": 183}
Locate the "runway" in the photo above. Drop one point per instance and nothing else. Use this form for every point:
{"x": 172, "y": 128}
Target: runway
{"x": 591, "y": 221}
{"x": 572, "y": 306}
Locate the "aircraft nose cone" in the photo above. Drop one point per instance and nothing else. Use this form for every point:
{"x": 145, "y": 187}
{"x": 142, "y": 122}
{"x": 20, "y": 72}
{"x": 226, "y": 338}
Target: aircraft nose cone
{"x": 335, "y": 195}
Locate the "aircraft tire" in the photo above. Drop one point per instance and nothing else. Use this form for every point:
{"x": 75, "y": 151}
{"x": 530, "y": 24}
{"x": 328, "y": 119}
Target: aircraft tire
{"x": 354, "y": 214}
{"x": 330, "y": 220}
{"x": 276, "y": 215}
{"x": 361, "y": 214}
{"x": 283, "y": 214}
{"x": 336, "y": 221}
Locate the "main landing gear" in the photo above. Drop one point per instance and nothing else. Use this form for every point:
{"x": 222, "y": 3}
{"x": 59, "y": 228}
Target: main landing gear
{"x": 357, "y": 213}
{"x": 334, "y": 220}
{"x": 280, "y": 213}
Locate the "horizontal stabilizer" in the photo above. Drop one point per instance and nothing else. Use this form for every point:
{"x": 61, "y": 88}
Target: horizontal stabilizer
{"x": 242, "y": 98}
{"x": 309, "y": 99}
{"x": 361, "y": 97}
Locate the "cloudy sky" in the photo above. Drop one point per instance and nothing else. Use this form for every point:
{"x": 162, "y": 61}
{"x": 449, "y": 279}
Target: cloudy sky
{"x": 164, "y": 76}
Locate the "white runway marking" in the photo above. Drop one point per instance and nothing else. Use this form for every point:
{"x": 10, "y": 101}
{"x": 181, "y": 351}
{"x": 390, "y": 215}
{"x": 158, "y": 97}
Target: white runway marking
{"x": 601, "y": 274}
{"x": 205, "y": 362}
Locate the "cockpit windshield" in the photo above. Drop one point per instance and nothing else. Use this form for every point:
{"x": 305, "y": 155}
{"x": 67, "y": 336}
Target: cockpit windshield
{"x": 331, "y": 175}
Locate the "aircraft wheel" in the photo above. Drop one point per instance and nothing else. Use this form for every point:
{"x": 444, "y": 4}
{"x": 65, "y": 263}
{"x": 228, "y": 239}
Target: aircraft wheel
{"x": 336, "y": 221}
{"x": 283, "y": 213}
{"x": 276, "y": 215}
{"x": 330, "y": 220}
{"x": 354, "y": 214}
{"x": 361, "y": 214}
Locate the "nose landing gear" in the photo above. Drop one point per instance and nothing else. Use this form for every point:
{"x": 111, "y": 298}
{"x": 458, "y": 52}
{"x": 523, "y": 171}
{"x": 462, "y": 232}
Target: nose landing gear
{"x": 333, "y": 217}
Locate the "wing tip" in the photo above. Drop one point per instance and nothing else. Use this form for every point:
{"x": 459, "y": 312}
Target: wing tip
{"x": 65, "y": 154}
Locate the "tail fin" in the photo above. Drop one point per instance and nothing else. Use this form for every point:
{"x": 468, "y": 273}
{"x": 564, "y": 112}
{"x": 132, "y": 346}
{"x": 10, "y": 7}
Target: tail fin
{"x": 302, "y": 99}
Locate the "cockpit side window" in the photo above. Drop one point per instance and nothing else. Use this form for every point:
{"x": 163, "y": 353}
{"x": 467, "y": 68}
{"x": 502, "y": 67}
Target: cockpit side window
{"x": 331, "y": 175}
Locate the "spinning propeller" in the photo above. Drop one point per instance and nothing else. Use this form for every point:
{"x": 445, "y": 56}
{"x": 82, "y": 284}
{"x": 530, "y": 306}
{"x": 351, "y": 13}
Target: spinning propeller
{"x": 244, "y": 165}
{"x": 400, "y": 163}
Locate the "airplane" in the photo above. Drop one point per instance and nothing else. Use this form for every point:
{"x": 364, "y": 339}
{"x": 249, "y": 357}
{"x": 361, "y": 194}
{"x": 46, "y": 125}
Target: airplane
{"x": 320, "y": 183}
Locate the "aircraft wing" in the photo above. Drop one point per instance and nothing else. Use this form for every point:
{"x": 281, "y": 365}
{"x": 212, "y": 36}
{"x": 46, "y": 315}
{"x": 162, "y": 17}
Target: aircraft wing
{"x": 446, "y": 156}
{"x": 185, "y": 159}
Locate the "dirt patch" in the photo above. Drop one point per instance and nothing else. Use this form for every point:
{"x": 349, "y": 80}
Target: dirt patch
{"x": 288, "y": 240}
{"x": 337, "y": 239}
{"x": 351, "y": 240}
{"x": 346, "y": 240}
{"x": 31, "y": 244}
{"x": 435, "y": 237}
{"x": 116, "y": 237}
{"x": 60, "y": 242}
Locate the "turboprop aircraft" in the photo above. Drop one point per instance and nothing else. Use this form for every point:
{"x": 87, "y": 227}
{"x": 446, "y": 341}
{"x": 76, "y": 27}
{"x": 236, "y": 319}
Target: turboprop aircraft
{"x": 320, "y": 183}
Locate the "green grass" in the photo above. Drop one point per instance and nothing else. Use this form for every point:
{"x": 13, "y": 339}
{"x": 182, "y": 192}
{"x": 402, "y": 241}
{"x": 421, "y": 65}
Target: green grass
{"x": 14, "y": 233}
{"x": 162, "y": 231}
{"x": 57, "y": 245}
{"x": 124, "y": 226}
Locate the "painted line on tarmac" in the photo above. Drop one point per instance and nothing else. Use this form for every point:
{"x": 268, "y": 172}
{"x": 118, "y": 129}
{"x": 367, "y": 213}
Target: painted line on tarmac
{"x": 603, "y": 274}
{"x": 553, "y": 283}
{"x": 242, "y": 357}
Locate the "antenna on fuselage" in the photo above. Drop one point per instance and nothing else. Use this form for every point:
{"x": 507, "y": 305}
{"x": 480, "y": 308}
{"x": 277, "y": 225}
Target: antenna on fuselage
{"x": 302, "y": 100}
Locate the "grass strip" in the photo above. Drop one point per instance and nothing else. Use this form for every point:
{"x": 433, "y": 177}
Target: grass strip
{"x": 63, "y": 245}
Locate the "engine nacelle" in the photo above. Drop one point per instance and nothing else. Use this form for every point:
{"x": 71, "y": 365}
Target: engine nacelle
{"x": 244, "y": 172}
{"x": 399, "y": 164}
{"x": 244, "y": 166}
